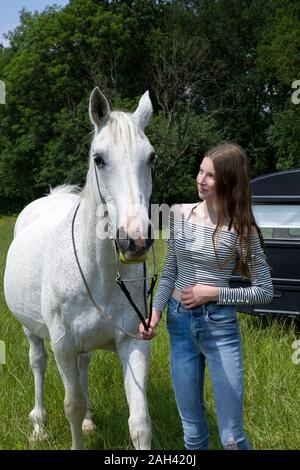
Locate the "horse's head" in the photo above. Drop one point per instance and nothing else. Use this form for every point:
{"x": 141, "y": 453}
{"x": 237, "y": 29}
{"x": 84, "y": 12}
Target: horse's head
{"x": 121, "y": 161}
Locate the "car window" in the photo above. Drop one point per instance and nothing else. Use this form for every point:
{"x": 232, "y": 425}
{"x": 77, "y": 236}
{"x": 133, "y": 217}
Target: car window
{"x": 278, "y": 221}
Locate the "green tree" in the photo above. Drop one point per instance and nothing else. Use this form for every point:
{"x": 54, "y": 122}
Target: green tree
{"x": 234, "y": 29}
{"x": 279, "y": 64}
{"x": 216, "y": 70}
{"x": 54, "y": 60}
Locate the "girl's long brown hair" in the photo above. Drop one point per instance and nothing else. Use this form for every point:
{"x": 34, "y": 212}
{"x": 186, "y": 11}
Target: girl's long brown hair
{"x": 233, "y": 197}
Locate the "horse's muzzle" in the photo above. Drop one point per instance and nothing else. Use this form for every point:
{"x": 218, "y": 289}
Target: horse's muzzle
{"x": 132, "y": 250}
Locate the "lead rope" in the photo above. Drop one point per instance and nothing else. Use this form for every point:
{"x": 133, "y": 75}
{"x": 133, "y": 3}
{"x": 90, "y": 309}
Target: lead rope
{"x": 101, "y": 311}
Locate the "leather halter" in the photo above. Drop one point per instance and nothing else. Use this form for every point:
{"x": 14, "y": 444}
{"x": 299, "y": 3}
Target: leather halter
{"x": 119, "y": 280}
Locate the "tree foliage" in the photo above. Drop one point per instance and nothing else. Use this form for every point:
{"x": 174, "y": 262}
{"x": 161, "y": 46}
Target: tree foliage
{"x": 216, "y": 70}
{"x": 278, "y": 61}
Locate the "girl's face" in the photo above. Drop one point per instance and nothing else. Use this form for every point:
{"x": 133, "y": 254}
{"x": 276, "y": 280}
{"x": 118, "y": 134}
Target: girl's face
{"x": 206, "y": 183}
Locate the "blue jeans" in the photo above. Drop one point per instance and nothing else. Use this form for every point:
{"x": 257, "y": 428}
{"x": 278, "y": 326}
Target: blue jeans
{"x": 208, "y": 332}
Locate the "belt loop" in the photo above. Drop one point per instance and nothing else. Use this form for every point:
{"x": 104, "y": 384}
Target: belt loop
{"x": 177, "y": 307}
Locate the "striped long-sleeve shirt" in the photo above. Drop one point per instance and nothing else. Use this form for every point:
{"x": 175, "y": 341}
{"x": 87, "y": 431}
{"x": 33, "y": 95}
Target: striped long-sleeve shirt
{"x": 191, "y": 259}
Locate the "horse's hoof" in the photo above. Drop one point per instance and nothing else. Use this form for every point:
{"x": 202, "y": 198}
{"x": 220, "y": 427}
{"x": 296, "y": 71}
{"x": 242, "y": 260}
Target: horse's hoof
{"x": 88, "y": 426}
{"x": 37, "y": 436}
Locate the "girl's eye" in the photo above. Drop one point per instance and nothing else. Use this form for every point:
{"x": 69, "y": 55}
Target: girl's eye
{"x": 98, "y": 159}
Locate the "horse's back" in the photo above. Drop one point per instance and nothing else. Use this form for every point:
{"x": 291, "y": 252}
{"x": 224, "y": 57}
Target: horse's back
{"x": 47, "y": 211}
{"x": 28, "y": 254}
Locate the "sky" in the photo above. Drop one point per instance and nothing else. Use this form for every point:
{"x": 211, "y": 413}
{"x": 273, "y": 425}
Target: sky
{"x": 9, "y": 12}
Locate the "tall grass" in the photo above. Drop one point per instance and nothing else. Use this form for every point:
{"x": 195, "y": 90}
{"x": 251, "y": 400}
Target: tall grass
{"x": 272, "y": 384}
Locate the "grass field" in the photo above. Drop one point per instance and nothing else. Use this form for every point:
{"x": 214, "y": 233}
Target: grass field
{"x": 272, "y": 384}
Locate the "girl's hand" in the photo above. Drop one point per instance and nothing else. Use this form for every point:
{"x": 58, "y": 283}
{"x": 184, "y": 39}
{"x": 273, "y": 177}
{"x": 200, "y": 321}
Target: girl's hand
{"x": 192, "y": 296}
{"x": 151, "y": 332}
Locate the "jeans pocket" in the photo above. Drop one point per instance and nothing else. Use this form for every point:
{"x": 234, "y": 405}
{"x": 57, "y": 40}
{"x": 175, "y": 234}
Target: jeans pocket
{"x": 221, "y": 314}
{"x": 172, "y": 310}
{"x": 175, "y": 309}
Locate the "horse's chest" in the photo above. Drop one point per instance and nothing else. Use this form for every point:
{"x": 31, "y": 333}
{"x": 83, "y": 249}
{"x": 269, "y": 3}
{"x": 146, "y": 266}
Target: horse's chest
{"x": 92, "y": 331}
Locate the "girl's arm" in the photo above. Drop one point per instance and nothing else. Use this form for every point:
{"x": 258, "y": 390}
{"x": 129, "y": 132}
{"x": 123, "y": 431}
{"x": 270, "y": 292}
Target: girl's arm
{"x": 169, "y": 274}
{"x": 261, "y": 291}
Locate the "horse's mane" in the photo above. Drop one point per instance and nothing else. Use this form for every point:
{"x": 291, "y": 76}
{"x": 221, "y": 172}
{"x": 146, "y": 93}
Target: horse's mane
{"x": 65, "y": 189}
{"x": 124, "y": 130}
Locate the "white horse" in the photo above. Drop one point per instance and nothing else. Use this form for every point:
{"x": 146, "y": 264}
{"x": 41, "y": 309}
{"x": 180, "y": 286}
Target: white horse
{"x": 45, "y": 291}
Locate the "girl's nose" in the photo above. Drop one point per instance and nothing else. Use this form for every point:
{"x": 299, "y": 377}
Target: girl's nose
{"x": 200, "y": 179}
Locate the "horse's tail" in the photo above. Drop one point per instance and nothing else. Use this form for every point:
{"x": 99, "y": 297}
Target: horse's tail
{"x": 64, "y": 189}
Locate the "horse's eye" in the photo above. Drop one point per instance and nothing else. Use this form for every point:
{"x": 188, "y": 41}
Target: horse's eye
{"x": 98, "y": 159}
{"x": 152, "y": 158}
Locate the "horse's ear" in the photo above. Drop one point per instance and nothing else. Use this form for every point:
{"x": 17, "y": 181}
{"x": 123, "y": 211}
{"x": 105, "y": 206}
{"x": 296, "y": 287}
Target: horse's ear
{"x": 99, "y": 108}
{"x": 144, "y": 111}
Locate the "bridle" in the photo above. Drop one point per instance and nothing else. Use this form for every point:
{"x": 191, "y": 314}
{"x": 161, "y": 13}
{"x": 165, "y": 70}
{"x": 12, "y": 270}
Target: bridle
{"x": 119, "y": 280}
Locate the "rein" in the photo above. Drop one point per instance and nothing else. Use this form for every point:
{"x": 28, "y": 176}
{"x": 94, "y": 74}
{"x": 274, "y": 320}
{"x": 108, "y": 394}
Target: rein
{"x": 120, "y": 283}
{"x": 124, "y": 289}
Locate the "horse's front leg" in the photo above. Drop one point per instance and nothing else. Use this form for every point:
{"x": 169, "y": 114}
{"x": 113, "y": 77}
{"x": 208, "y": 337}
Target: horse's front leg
{"x": 75, "y": 402}
{"x": 134, "y": 355}
{"x": 83, "y": 366}
{"x": 38, "y": 361}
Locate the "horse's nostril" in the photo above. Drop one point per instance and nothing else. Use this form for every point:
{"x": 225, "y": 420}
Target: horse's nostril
{"x": 122, "y": 240}
{"x": 121, "y": 234}
{"x": 138, "y": 246}
{"x": 132, "y": 245}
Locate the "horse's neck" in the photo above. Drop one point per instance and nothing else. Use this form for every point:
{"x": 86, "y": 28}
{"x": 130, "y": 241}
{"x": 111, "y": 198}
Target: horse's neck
{"x": 96, "y": 249}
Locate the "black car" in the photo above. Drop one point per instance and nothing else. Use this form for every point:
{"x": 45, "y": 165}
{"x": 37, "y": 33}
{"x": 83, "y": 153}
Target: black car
{"x": 276, "y": 206}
